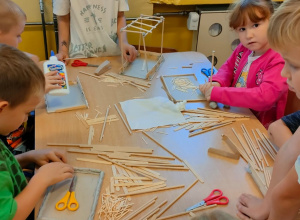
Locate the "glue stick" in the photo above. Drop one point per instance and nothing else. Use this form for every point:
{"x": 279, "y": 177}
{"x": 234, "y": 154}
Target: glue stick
{"x": 54, "y": 65}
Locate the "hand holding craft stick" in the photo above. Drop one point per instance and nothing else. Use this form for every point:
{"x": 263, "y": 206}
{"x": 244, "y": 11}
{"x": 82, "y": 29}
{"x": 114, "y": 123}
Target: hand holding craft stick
{"x": 213, "y": 105}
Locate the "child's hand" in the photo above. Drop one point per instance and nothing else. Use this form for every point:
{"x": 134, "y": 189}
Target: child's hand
{"x": 63, "y": 55}
{"x": 53, "y": 81}
{"x": 129, "y": 53}
{"x": 207, "y": 88}
{"x": 45, "y": 156}
{"x": 52, "y": 173}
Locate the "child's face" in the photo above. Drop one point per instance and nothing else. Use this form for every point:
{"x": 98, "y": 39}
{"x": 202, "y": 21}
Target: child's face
{"x": 12, "y": 118}
{"x": 13, "y": 36}
{"x": 254, "y": 36}
{"x": 291, "y": 69}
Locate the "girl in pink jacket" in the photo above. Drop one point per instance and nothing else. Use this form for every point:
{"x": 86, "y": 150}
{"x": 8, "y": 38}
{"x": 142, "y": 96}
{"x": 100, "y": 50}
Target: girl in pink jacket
{"x": 251, "y": 78}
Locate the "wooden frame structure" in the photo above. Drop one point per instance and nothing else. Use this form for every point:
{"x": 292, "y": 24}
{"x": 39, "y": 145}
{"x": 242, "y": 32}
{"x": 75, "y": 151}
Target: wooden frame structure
{"x": 143, "y": 25}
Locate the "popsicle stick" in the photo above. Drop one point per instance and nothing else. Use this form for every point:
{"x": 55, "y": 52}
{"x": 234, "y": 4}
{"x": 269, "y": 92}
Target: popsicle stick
{"x": 178, "y": 197}
{"x": 129, "y": 130}
{"x": 93, "y": 161}
{"x": 155, "y": 141}
{"x": 185, "y": 213}
{"x": 154, "y": 210}
{"x": 209, "y": 129}
{"x": 150, "y": 191}
{"x": 260, "y": 150}
{"x": 193, "y": 171}
{"x": 107, "y": 110}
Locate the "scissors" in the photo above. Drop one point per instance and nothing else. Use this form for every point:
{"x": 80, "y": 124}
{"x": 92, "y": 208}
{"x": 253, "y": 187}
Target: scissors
{"x": 215, "y": 197}
{"x": 77, "y": 63}
{"x": 69, "y": 201}
{"x": 207, "y": 72}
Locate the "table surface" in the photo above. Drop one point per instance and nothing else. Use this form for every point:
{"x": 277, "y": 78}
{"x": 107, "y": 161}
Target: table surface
{"x": 218, "y": 172}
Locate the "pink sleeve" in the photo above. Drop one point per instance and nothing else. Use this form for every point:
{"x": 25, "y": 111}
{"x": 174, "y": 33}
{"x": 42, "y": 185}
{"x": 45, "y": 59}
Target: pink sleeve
{"x": 260, "y": 98}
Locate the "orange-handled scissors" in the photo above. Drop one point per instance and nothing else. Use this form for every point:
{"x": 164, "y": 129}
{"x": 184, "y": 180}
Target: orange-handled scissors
{"x": 215, "y": 197}
{"x": 77, "y": 63}
{"x": 68, "y": 201}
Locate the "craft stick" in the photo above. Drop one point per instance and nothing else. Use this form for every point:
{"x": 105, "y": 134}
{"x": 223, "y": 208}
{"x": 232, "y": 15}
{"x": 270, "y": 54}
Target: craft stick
{"x": 145, "y": 53}
{"x": 269, "y": 142}
{"x": 107, "y": 110}
{"x": 265, "y": 148}
{"x": 265, "y": 143}
{"x": 112, "y": 188}
{"x": 260, "y": 179}
{"x": 209, "y": 129}
{"x": 125, "y": 167}
{"x": 185, "y": 213}
{"x": 153, "y": 156}
{"x": 230, "y": 143}
{"x": 252, "y": 151}
{"x": 82, "y": 120}
{"x": 113, "y": 167}
{"x": 154, "y": 210}
{"x": 178, "y": 197}
{"x": 142, "y": 208}
{"x": 93, "y": 161}
{"x": 162, "y": 36}
{"x": 193, "y": 171}
{"x": 156, "y": 185}
{"x": 150, "y": 171}
{"x": 129, "y": 130}
{"x": 155, "y": 141}
{"x": 140, "y": 169}
{"x": 161, "y": 167}
{"x": 150, "y": 191}
{"x": 70, "y": 145}
{"x": 265, "y": 175}
{"x": 88, "y": 74}
{"x": 91, "y": 135}
{"x": 223, "y": 153}
{"x": 260, "y": 150}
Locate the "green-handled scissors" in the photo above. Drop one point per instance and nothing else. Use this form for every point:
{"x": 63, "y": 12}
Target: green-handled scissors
{"x": 68, "y": 201}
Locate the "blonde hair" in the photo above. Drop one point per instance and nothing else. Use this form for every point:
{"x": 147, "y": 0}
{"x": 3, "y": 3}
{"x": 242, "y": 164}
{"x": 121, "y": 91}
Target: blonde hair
{"x": 10, "y": 15}
{"x": 20, "y": 77}
{"x": 256, "y": 10}
{"x": 284, "y": 27}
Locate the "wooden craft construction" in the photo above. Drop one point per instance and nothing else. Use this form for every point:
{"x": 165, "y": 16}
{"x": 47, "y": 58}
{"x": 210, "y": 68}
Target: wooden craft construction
{"x": 146, "y": 64}
{"x": 189, "y": 91}
{"x": 87, "y": 190}
{"x": 74, "y": 100}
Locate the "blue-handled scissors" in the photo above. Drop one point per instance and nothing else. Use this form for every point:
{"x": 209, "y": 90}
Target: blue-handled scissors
{"x": 207, "y": 72}
{"x": 215, "y": 197}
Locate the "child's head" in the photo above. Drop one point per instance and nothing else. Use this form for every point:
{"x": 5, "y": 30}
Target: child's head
{"x": 12, "y": 23}
{"x": 255, "y": 10}
{"x": 22, "y": 86}
{"x": 284, "y": 37}
{"x": 250, "y": 19}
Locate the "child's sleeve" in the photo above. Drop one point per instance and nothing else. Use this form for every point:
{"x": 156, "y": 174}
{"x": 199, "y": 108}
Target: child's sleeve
{"x": 61, "y": 7}
{"x": 292, "y": 121}
{"x": 7, "y": 203}
{"x": 123, "y": 5}
{"x": 260, "y": 98}
{"x": 225, "y": 74}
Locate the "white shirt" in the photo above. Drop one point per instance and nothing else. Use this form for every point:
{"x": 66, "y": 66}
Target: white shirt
{"x": 93, "y": 25}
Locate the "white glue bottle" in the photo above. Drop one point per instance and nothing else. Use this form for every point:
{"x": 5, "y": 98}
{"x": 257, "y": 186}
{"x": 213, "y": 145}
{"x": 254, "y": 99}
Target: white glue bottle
{"x": 54, "y": 65}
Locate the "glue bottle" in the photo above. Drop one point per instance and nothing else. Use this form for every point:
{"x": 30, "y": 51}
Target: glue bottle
{"x": 55, "y": 65}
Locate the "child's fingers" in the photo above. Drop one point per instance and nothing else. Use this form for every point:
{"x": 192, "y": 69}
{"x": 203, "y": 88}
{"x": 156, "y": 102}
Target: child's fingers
{"x": 242, "y": 216}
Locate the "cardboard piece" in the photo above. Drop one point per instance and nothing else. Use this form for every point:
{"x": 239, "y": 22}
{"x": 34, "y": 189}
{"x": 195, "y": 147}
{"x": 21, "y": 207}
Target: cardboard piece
{"x": 102, "y": 68}
{"x": 87, "y": 192}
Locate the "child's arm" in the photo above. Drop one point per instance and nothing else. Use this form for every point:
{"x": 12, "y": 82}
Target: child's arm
{"x": 129, "y": 53}
{"x": 47, "y": 175}
{"x": 63, "y": 36}
{"x": 41, "y": 157}
{"x": 286, "y": 197}
{"x": 260, "y": 98}
{"x": 279, "y": 133}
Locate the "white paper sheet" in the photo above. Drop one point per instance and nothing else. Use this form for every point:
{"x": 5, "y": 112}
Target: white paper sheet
{"x": 153, "y": 112}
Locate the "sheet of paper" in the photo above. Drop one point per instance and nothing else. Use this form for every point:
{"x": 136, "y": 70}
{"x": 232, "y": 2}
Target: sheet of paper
{"x": 153, "y": 112}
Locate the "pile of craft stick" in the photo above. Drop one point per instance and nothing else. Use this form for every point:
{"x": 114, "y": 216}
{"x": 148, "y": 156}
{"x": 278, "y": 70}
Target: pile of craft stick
{"x": 202, "y": 120}
{"x": 183, "y": 84}
{"x": 253, "y": 151}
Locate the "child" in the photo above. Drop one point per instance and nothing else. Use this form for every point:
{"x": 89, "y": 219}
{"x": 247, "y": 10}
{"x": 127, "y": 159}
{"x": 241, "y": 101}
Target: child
{"x": 95, "y": 28}
{"x": 250, "y": 78}
{"x": 281, "y": 130}
{"x": 282, "y": 200}
{"x": 21, "y": 88}
{"x": 12, "y": 23}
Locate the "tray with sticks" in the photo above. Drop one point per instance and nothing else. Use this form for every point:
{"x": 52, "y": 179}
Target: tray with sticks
{"x": 182, "y": 87}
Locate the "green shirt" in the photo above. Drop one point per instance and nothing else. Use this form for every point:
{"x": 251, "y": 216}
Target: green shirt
{"x": 12, "y": 182}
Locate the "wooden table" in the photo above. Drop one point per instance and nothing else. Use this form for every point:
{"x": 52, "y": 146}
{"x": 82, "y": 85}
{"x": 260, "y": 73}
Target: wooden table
{"x": 226, "y": 174}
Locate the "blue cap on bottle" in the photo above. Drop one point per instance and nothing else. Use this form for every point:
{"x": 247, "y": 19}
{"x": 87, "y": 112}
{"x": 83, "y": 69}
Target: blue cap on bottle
{"x": 52, "y": 53}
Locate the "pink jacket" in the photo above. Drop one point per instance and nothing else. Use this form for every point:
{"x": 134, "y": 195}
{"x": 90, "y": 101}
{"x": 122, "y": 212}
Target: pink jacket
{"x": 266, "y": 92}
